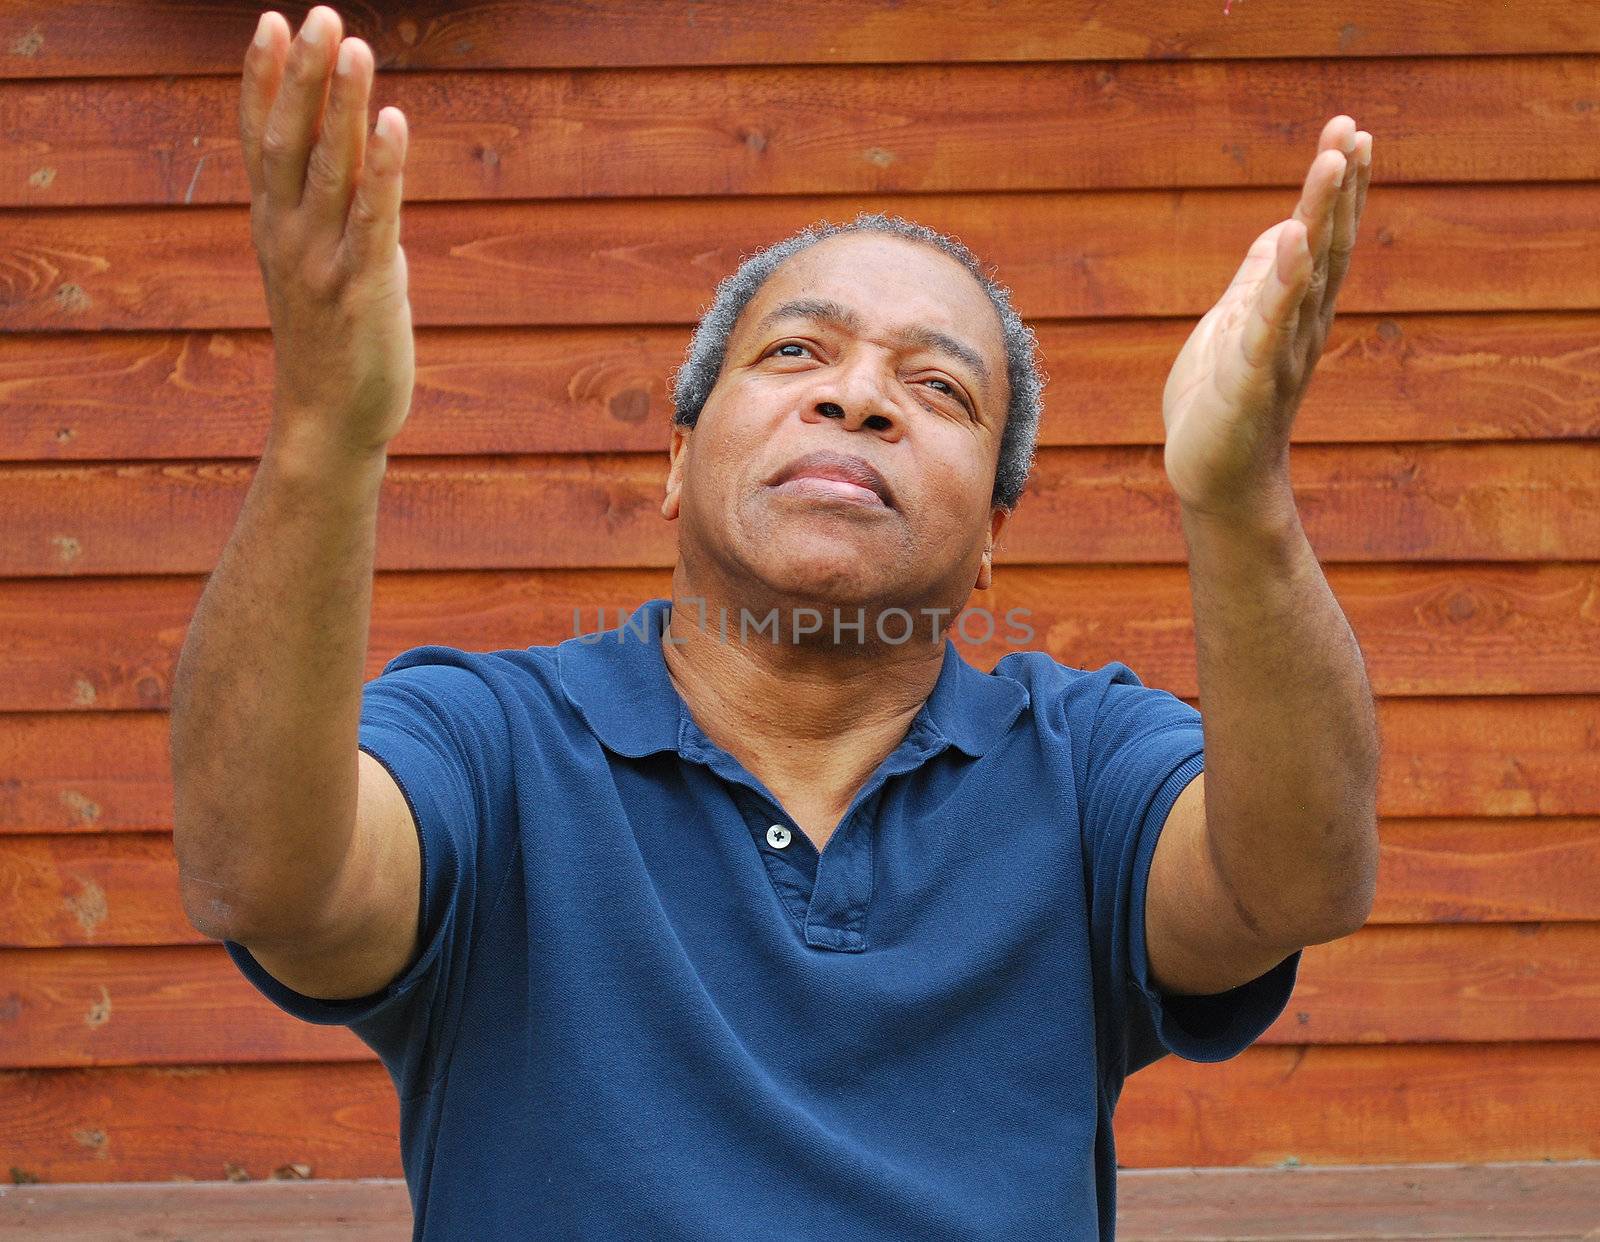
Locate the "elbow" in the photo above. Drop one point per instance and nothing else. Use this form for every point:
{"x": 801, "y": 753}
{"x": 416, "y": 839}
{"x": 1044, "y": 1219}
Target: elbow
{"x": 214, "y": 887}
{"x": 212, "y": 908}
{"x": 1334, "y": 900}
{"x": 209, "y": 909}
{"x": 1348, "y": 895}
{"x": 1343, "y": 917}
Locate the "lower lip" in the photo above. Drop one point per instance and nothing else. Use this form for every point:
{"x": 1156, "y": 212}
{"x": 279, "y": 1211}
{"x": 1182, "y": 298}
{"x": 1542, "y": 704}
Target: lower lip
{"x": 831, "y": 489}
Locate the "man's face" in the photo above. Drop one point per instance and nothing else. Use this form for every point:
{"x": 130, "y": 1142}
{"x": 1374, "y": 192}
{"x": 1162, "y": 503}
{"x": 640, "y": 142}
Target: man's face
{"x": 877, "y": 361}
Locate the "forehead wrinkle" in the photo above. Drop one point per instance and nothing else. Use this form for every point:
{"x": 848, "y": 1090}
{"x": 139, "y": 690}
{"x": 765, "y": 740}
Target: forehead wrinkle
{"x": 828, "y": 310}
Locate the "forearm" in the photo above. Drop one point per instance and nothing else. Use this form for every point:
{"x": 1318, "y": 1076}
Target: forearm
{"x": 266, "y": 698}
{"x": 1291, "y": 736}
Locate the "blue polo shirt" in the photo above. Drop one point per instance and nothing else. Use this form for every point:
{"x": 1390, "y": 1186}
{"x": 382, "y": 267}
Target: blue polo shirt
{"x": 646, "y": 1007}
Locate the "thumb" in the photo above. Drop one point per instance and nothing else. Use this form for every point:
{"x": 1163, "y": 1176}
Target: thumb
{"x": 1281, "y": 290}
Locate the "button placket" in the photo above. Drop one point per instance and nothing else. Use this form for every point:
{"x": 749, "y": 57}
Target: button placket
{"x": 826, "y": 892}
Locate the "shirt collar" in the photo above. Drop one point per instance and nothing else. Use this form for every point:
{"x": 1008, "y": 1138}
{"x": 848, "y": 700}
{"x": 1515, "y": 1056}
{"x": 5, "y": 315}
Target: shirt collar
{"x": 618, "y": 680}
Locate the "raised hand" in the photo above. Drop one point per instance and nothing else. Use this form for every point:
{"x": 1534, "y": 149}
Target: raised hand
{"x": 325, "y": 220}
{"x": 1236, "y": 385}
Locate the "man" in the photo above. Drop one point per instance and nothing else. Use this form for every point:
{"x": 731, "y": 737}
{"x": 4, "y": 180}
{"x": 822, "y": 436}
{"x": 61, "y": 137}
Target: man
{"x": 764, "y": 915}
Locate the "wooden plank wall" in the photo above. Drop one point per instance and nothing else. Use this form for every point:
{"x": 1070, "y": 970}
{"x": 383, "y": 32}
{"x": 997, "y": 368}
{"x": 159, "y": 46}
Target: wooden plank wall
{"x": 581, "y": 175}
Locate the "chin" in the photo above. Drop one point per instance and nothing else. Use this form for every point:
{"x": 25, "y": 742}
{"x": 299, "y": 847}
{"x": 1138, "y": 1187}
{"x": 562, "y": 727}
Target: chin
{"x": 818, "y": 575}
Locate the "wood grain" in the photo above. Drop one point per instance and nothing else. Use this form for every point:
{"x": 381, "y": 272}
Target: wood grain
{"x": 829, "y": 129}
{"x": 41, "y": 38}
{"x": 1065, "y": 255}
{"x": 1366, "y": 1105}
{"x": 166, "y": 395}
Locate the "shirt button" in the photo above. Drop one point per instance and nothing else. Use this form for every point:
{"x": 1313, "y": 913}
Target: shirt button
{"x": 778, "y": 836}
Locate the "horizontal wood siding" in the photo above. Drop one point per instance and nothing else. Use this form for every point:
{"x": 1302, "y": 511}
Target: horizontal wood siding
{"x": 807, "y": 130}
{"x": 564, "y": 262}
{"x": 580, "y": 178}
{"x": 78, "y": 38}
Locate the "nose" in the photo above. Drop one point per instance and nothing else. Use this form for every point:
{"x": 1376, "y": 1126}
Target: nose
{"x": 873, "y": 422}
{"x": 856, "y": 398}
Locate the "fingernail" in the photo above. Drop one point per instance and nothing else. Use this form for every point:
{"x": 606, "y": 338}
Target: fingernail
{"x": 262, "y": 37}
{"x": 311, "y": 29}
{"x": 347, "y": 58}
{"x": 385, "y": 124}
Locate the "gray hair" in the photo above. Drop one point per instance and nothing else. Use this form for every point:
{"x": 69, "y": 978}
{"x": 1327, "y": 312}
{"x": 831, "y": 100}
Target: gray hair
{"x": 694, "y": 380}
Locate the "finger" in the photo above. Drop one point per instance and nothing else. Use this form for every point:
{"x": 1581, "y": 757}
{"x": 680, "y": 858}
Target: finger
{"x": 373, "y": 230}
{"x": 1317, "y": 208}
{"x": 263, "y": 72}
{"x": 341, "y": 146}
{"x": 296, "y": 113}
{"x": 1364, "y": 167}
{"x": 1277, "y": 299}
{"x": 1313, "y": 213}
{"x": 1346, "y": 220}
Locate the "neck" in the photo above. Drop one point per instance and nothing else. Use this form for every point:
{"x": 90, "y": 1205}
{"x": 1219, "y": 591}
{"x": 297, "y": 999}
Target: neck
{"x": 813, "y": 718}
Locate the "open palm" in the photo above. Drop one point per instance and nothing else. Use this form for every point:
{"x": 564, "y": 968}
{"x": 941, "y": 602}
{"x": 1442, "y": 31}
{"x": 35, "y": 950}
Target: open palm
{"x": 1233, "y": 391}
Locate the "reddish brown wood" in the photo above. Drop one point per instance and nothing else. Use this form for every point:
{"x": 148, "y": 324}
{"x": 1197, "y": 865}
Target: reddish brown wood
{"x": 85, "y": 772}
{"x": 178, "y": 1005}
{"x": 104, "y": 644}
{"x": 1489, "y": 756}
{"x": 1320, "y": 1105}
{"x": 93, "y": 396}
{"x": 1486, "y": 870}
{"x": 1378, "y": 1203}
{"x": 189, "y": 1004}
{"x": 90, "y": 888}
{"x": 1065, "y": 255}
{"x": 815, "y": 129}
{"x": 1366, "y": 1105}
{"x": 164, "y": 1122}
{"x": 1492, "y": 983}
{"x": 104, "y": 37}
{"x": 1467, "y": 502}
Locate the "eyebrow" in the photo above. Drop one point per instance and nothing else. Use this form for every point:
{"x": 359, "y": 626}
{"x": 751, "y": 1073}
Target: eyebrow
{"x": 827, "y": 310}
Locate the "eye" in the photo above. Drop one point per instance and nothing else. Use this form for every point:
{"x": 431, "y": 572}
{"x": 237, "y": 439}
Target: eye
{"x": 953, "y": 390}
{"x": 950, "y": 390}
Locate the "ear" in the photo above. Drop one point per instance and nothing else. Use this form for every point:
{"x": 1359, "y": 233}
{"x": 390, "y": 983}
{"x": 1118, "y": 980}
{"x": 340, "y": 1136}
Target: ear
{"x": 677, "y": 459}
{"x": 997, "y": 522}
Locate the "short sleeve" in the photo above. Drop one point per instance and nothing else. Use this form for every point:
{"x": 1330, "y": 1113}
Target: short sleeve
{"x": 1145, "y": 746}
{"x": 433, "y": 721}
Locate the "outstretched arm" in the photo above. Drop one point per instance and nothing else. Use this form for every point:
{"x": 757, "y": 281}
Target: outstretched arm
{"x": 1275, "y": 845}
